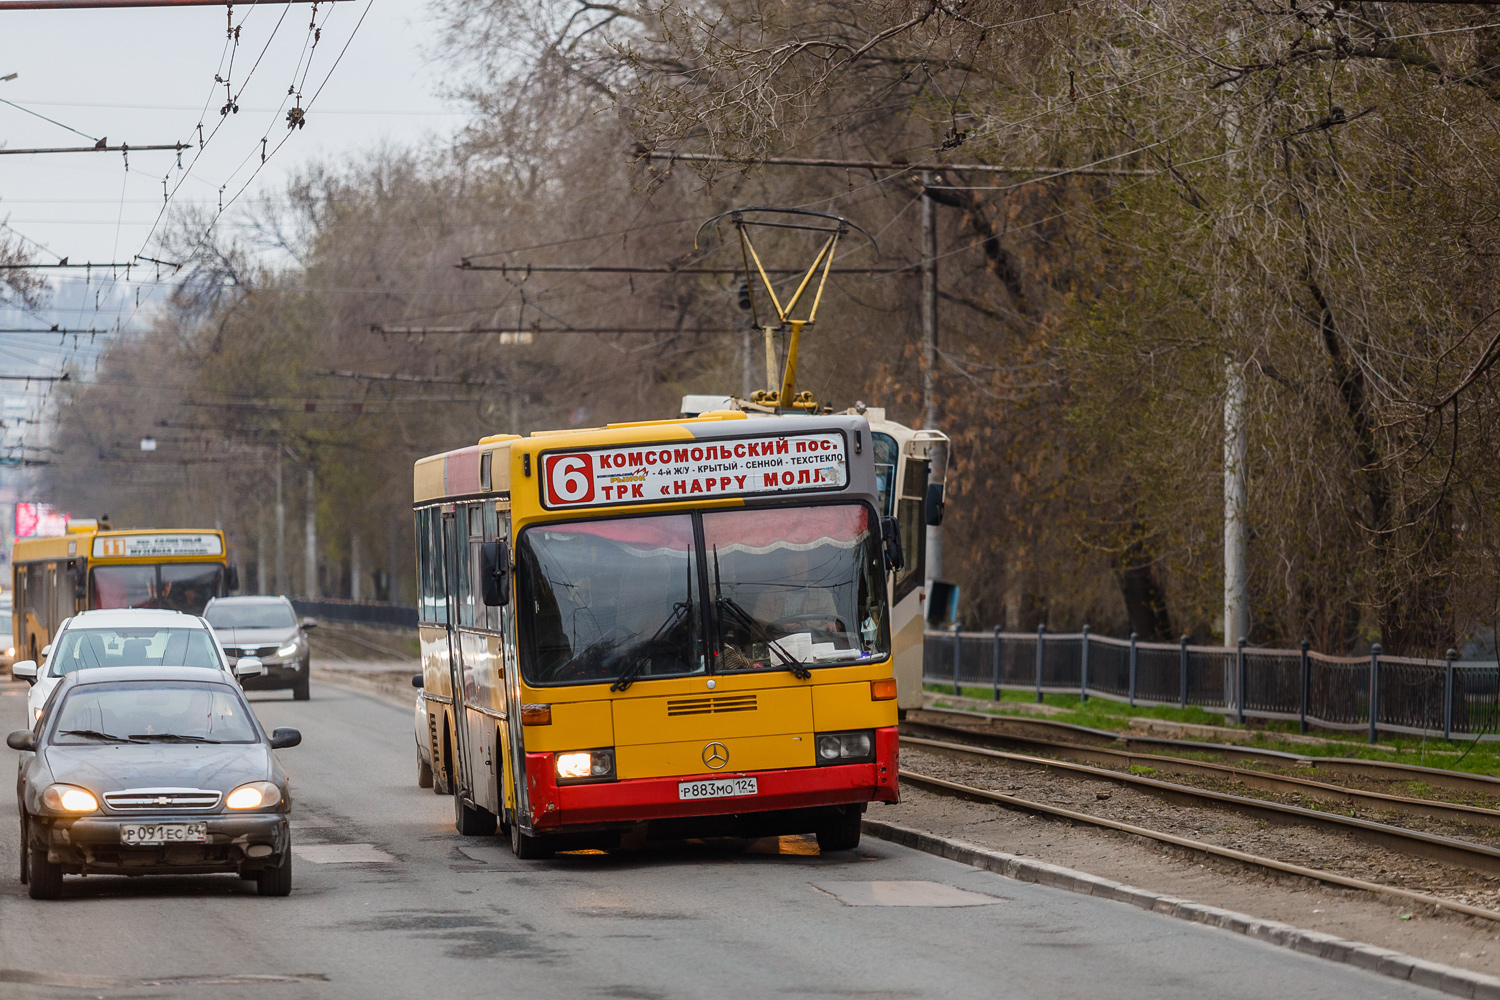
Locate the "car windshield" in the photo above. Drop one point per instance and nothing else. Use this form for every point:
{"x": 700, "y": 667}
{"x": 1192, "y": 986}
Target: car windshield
{"x": 232, "y": 614}
{"x": 153, "y": 712}
{"x": 620, "y": 599}
{"x": 83, "y": 648}
{"x": 175, "y": 586}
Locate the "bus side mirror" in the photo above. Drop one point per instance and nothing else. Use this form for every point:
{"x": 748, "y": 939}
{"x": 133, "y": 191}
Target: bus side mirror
{"x": 895, "y": 559}
{"x": 80, "y": 584}
{"x": 933, "y": 506}
{"x": 494, "y": 573}
{"x": 233, "y": 578}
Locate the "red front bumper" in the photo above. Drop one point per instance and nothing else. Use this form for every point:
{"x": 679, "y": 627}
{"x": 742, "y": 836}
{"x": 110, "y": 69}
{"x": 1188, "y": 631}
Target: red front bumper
{"x": 638, "y": 799}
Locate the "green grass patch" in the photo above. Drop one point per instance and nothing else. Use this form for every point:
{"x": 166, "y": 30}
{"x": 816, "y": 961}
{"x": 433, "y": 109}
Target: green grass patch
{"x": 1104, "y": 713}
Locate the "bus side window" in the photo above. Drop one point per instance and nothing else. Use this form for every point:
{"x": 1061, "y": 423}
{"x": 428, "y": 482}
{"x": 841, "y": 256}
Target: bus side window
{"x": 490, "y": 617}
{"x": 913, "y": 525}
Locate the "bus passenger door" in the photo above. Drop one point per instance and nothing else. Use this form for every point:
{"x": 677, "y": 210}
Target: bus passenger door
{"x": 454, "y": 553}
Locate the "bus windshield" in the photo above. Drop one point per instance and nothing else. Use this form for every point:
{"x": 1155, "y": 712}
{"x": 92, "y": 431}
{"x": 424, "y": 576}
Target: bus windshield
{"x": 619, "y": 599}
{"x": 608, "y": 596}
{"x": 174, "y": 586}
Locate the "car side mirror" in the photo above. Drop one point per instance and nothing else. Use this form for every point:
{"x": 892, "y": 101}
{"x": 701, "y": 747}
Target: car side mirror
{"x": 21, "y": 739}
{"x": 249, "y": 666}
{"x": 309, "y": 623}
{"x": 494, "y": 573}
{"x": 46, "y": 652}
{"x": 285, "y": 737}
{"x": 895, "y": 559}
{"x": 24, "y": 670}
{"x": 416, "y": 681}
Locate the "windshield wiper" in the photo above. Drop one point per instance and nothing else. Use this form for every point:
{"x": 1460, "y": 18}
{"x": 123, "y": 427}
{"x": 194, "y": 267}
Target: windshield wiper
{"x": 759, "y": 634}
{"x": 95, "y": 734}
{"x": 170, "y": 738}
{"x": 681, "y": 611}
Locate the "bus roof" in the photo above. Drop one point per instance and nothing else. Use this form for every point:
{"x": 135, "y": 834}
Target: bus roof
{"x": 494, "y": 465}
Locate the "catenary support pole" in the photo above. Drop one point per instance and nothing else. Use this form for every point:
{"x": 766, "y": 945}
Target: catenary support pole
{"x": 1306, "y": 686}
{"x": 1374, "y": 690}
{"x": 310, "y": 568}
{"x": 1236, "y": 615}
{"x": 1041, "y": 652}
{"x": 1182, "y": 667}
{"x": 356, "y": 571}
{"x": 281, "y": 585}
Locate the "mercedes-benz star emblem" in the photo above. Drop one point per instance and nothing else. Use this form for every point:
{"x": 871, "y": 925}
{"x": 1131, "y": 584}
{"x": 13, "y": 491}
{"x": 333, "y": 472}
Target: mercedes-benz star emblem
{"x": 716, "y": 755}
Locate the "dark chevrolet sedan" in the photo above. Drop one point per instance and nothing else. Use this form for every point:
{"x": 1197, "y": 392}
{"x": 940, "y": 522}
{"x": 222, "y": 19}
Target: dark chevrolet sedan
{"x": 151, "y": 771}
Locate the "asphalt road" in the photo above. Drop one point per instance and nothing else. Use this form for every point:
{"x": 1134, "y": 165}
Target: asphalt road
{"x": 390, "y": 902}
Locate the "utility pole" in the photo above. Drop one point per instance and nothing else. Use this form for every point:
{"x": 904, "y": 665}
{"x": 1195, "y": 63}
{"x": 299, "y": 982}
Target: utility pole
{"x": 1236, "y": 614}
{"x": 311, "y": 567}
{"x": 260, "y": 553}
{"x": 354, "y": 568}
{"x": 282, "y": 585}
{"x": 929, "y": 352}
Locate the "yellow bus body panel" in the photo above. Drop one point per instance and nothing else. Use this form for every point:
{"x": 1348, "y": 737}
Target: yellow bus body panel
{"x": 848, "y": 706}
{"x": 746, "y": 753}
{"x": 576, "y": 725}
{"x": 724, "y": 715}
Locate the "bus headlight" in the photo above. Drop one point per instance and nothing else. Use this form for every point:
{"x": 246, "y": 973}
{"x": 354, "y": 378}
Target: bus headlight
{"x": 69, "y": 799}
{"x": 586, "y": 765}
{"x": 845, "y": 748}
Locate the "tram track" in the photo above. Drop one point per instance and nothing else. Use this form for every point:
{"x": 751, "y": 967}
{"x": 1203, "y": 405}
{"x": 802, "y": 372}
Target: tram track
{"x": 1050, "y": 732}
{"x": 942, "y": 786}
{"x": 1473, "y": 856}
{"x": 1308, "y": 788}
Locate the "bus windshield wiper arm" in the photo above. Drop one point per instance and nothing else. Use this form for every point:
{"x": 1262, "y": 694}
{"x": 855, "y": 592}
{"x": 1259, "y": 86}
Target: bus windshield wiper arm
{"x": 680, "y": 611}
{"x": 758, "y": 632}
{"x": 95, "y": 734}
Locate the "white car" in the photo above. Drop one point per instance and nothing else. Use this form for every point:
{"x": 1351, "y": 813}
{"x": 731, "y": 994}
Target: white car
{"x": 126, "y": 637}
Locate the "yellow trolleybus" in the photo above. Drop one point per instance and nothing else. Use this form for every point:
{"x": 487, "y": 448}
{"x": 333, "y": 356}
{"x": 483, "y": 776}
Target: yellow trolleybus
{"x": 674, "y": 628}
{"x": 58, "y": 576}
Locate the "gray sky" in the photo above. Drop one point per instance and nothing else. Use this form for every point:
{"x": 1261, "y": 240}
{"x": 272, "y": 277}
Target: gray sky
{"x": 145, "y": 76}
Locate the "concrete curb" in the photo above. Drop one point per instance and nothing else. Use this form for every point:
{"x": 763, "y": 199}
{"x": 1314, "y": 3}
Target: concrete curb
{"x": 1384, "y": 961}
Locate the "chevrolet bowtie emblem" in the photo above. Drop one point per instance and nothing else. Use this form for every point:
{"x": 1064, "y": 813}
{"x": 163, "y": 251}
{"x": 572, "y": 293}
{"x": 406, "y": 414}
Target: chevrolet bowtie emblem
{"x": 716, "y": 755}
{"x": 163, "y": 800}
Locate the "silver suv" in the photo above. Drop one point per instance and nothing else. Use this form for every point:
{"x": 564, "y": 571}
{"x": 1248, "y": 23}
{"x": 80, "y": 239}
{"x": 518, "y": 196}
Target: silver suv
{"x": 267, "y": 629}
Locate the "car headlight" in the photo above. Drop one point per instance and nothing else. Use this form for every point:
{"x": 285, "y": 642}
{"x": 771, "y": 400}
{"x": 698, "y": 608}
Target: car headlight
{"x": 255, "y": 795}
{"x": 586, "y": 765}
{"x": 289, "y": 649}
{"x": 69, "y": 799}
{"x": 845, "y": 748}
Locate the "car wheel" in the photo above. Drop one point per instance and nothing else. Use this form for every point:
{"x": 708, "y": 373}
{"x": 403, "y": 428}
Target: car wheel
{"x": 25, "y": 838}
{"x": 276, "y": 881}
{"x": 424, "y": 773}
{"x": 44, "y": 878}
{"x": 840, "y": 832}
{"x": 299, "y": 690}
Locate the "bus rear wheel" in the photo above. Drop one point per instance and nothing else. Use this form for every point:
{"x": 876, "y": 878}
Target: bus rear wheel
{"x": 840, "y": 831}
{"x": 472, "y": 821}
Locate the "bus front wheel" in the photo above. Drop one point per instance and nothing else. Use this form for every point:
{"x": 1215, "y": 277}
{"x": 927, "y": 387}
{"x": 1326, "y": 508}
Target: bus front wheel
{"x": 526, "y": 847}
{"x": 840, "y": 831}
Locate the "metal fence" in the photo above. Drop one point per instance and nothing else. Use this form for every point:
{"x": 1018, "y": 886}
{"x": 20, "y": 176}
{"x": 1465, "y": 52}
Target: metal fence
{"x": 361, "y": 612}
{"x": 1419, "y": 697}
